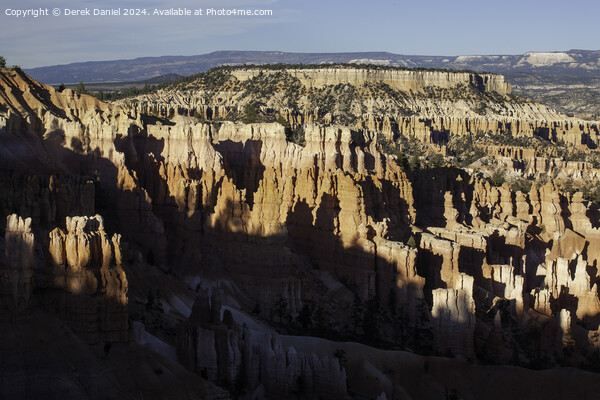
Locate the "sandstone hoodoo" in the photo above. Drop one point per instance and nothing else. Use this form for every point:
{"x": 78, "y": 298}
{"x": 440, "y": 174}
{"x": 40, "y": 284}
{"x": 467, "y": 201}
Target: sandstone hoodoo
{"x": 303, "y": 232}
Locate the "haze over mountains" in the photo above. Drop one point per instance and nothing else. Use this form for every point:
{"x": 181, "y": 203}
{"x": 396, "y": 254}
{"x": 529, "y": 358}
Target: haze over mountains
{"x": 568, "y": 81}
{"x": 572, "y": 63}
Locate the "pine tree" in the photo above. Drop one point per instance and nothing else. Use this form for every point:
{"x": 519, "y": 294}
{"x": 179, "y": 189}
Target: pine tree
{"x": 281, "y": 307}
{"x": 256, "y": 310}
{"x": 411, "y": 242}
{"x": 150, "y": 302}
{"x": 2, "y": 62}
{"x": 305, "y": 316}
{"x": 372, "y": 320}
{"x": 250, "y": 114}
{"x": 437, "y": 161}
{"x": 415, "y": 162}
{"x": 357, "y": 311}
{"x": 80, "y": 89}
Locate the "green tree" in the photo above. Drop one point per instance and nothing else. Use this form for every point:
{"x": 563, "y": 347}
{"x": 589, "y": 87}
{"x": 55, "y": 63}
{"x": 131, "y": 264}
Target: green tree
{"x": 422, "y": 333}
{"x": 568, "y": 186}
{"x": 282, "y": 121}
{"x": 357, "y": 312}
{"x": 256, "y": 310}
{"x": 296, "y": 135}
{"x": 372, "y": 320}
{"x": 521, "y": 184}
{"x": 437, "y": 161}
{"x": 150, "y": 303}
{"x": 497, "y": 178}
{"x": 80, "y": 89}
{"x": 61, "y": 87}
{"x": 305, "y": 316}
{"x": 320, "y": 320}
{"x": 281, "y": 306}
{"x": 415, "y": 162}
{"x": 403, "y": 161}
{"x": 422, "y": 313}
{"x": 250, "y": 114}
{"x": 400, "y": 323}
{"x": 2, "y": 62}
{"x": 592, "y": 193}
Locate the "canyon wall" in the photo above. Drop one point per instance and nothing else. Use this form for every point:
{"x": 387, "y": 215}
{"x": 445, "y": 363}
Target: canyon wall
{"x": 329, "y": 237}
{"x": 16, "y": 300}
{"x": 431, "y": 106}
{"x": 396, "y": 79}
{"x": 84, "y": 263}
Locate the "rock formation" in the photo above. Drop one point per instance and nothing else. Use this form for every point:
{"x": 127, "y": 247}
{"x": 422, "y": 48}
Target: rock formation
{"x": 46, "y": 199}
{"x": 430, "y": 106}
{"x": 453, "y": 316}
{"x": 86, "y": 265}
{"x": 397, "y": 79}
{"x": 249, "y": 361}
{"x": 16, "y": 276}
{"x": 327, "y": 236}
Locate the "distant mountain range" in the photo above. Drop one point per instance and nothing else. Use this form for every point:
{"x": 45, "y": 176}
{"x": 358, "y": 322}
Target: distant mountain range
{"x": 569, "y": 80}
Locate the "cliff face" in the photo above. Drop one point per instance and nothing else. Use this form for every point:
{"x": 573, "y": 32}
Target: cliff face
{"x": 226, "y": 352}
{"x": 46, "y": 199}
{"x": 263, "y": 199}
{"x": 346, "y": 210}
{"x": 38, "y": 120}
{"x": 396, "y": 79}
{"x": 85, "y": 264}
{"x": 17, "y": 274}
{"x": 82, "y": 280}
{"x": 430, "y": 106}
{"x": 330, "y": 237}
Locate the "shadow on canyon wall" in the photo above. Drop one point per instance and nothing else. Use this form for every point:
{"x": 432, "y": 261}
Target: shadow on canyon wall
{"x": 135, "y": 211}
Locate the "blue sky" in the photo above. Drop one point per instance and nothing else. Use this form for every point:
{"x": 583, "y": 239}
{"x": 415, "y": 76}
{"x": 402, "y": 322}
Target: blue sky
{"x": 459, "y": 27}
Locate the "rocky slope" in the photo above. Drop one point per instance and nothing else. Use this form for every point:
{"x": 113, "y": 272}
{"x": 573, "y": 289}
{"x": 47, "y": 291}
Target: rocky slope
{"x": 415, "y": 113}
{"x": 405, "y": 80}
{"x": 429, "y": 105}
{"x": 213, "y": 235}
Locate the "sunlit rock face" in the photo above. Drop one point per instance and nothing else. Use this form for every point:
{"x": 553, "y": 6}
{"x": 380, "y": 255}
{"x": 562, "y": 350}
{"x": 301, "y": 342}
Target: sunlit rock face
{"x": 16, "y": 279}
{"x": 427, "y": 106}
{"x": 402, "y": 80}
{"x": 82, "y": 278}
{"x": 342, "y": 203}
{"x": 262, "y": 199}
{"x": 85, "y": 263}
{"x": 453, "y": 314}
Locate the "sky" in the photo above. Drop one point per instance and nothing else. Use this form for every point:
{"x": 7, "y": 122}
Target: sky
{"x": 426, "y": 27}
